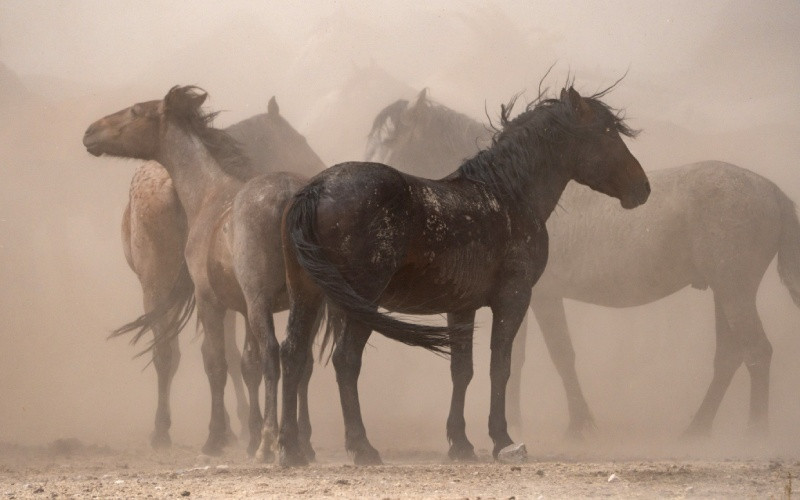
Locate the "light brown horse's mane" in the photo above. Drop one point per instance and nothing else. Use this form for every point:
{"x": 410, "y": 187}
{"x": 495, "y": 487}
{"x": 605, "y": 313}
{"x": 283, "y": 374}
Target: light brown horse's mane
{"x": 183, "y": 106}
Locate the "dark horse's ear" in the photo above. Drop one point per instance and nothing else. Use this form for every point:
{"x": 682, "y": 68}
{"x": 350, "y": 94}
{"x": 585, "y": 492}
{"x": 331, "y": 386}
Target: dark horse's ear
{"x": 579, "y": 106}
{"x": 272, "y": 106}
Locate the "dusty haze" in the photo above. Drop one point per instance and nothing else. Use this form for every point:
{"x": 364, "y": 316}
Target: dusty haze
{"x": 705, "y": 80}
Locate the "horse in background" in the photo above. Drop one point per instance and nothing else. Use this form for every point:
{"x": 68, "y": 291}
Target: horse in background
{"x": 363, "y": 235}
{"x": 171, "y": 224}
{"x": 707, "y": 225}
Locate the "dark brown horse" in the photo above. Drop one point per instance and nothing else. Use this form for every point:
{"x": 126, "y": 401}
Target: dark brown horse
{"x": 233, "y": 252}
{"x": 154, "y": 237}
{"x": 707, "y": 225}
{"x": 365, "y": 235}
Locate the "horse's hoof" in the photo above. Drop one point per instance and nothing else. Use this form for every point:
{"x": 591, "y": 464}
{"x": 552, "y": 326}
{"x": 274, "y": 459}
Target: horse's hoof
{"x": 252, "y": 447}
{"x": 289, "y": 458}
{"x": 695, "y": 433}
{"x": 265, "y": 456}
{"x": 160, "y": 440}
{"x": 367, "y": 456}
{"x": 309, "y": 452}
{"x": 212, "y": 448}
{"x": 462, "y": 452}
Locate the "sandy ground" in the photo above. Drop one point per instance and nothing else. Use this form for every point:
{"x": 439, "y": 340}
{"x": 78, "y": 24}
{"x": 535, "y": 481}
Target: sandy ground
{"x": 71, "y": 469}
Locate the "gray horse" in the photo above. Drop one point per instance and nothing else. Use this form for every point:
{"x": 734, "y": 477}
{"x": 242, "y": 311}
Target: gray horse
{"x": 706, "y": 225}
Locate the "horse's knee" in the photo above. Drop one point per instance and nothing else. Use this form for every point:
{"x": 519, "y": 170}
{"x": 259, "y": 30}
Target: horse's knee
{"x": 759, "y": 354}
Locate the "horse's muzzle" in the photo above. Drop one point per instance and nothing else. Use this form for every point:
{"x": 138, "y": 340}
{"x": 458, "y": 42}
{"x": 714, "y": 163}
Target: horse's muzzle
{"x": 637, "y": 197}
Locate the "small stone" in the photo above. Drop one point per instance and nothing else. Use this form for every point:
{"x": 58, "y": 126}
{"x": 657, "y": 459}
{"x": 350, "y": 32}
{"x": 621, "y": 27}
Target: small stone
{"x": 185, "y": 493}
{"x": 516, "y": 467}
{"x": 612, "y": 478}
{"x": 342, "y": 481}
{"x": 119, "y": 481}
{"x": 540, "y": 472}
{"x": 513, "y": 454}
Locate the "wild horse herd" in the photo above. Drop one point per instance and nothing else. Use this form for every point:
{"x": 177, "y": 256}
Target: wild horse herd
{"x": 248, "y": 219}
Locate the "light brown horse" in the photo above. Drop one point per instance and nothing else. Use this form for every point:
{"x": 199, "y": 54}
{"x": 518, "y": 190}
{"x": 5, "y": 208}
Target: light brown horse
{"x": 232, "y": 251}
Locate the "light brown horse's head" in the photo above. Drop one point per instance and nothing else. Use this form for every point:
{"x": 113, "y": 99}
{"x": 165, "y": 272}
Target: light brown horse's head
{"x": 600, "y": 157}
{"x": 133, "y": 132}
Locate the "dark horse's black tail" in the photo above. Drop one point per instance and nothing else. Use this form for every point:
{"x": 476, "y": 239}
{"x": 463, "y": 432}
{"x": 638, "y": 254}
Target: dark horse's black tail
{"x": 179, "y": 304}
{"x": 301, "y": 224}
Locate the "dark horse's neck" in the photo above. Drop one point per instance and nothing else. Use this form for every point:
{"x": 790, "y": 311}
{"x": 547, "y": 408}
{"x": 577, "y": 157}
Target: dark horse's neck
{"x": 519, "y": 179}
{"x": 195, "y": 173}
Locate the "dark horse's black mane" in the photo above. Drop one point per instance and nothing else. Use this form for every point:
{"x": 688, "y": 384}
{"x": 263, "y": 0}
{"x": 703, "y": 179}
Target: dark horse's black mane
{"x": 183, "y": 107}
{"x": 509, "y": 161}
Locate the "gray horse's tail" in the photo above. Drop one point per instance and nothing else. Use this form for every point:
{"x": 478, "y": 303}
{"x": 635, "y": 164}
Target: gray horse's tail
{"x": 789, "y": 249}
{"x": 178, "y": 307}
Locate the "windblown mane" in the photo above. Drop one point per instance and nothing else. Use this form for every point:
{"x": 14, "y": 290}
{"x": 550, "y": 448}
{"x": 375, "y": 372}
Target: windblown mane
{"x": 511, "y": 160}
{"x": 183, "y": 107}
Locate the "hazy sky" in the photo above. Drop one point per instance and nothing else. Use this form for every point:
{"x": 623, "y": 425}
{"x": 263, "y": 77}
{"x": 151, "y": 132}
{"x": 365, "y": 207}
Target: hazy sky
{"x": 109, "y": 41}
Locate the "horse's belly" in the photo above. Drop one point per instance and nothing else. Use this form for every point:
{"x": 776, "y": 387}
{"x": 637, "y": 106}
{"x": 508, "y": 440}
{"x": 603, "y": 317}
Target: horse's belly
{"x": 453, "y": 284}
{"x": 628, "y": 290}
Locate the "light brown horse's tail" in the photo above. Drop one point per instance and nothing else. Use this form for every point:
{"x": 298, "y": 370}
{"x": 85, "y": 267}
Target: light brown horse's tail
{"x": 177, "y": 309}
{"x": 789, "y": 249}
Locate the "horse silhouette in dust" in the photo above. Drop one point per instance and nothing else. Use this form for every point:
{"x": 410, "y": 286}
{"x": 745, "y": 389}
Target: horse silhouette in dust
{"x": 232, "y": 250}
{"x": 364, "y": 235}
{"x": 707, "y": 225}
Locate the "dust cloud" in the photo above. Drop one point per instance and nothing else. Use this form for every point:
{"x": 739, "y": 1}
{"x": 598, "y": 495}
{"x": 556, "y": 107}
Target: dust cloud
{"x": 704, "y": 81}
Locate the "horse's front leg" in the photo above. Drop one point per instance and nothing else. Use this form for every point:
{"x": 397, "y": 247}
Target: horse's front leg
{"x": 461, "y": 373}
{"x": 508, "y": 310}
{"x": 347, "y": 362}
{"x": 216, "y": 366}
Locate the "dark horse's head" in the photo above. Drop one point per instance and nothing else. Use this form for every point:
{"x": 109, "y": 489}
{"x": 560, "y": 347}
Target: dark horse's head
{"x": 582, "y": 134}
{"x": 136, "y": 131}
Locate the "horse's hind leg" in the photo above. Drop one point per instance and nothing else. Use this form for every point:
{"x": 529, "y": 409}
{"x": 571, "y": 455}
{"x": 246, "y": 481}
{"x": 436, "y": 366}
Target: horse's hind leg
{"x": 293, "y": 356}
{"x": 461, "y": 373}
{"x": 347, "y": 362}
{"x": 756, "y": 352}
{"x": 166, "y": 357}
{"x": 727, "y": 359}
{"x": 304, "y": 418}
{"x": 217, "y": 371}
{"x": 264, "y": 329}
{"x": 552, "y": 321}
{"x": 252, "y": 371}
{"x": 234, "y": 359}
